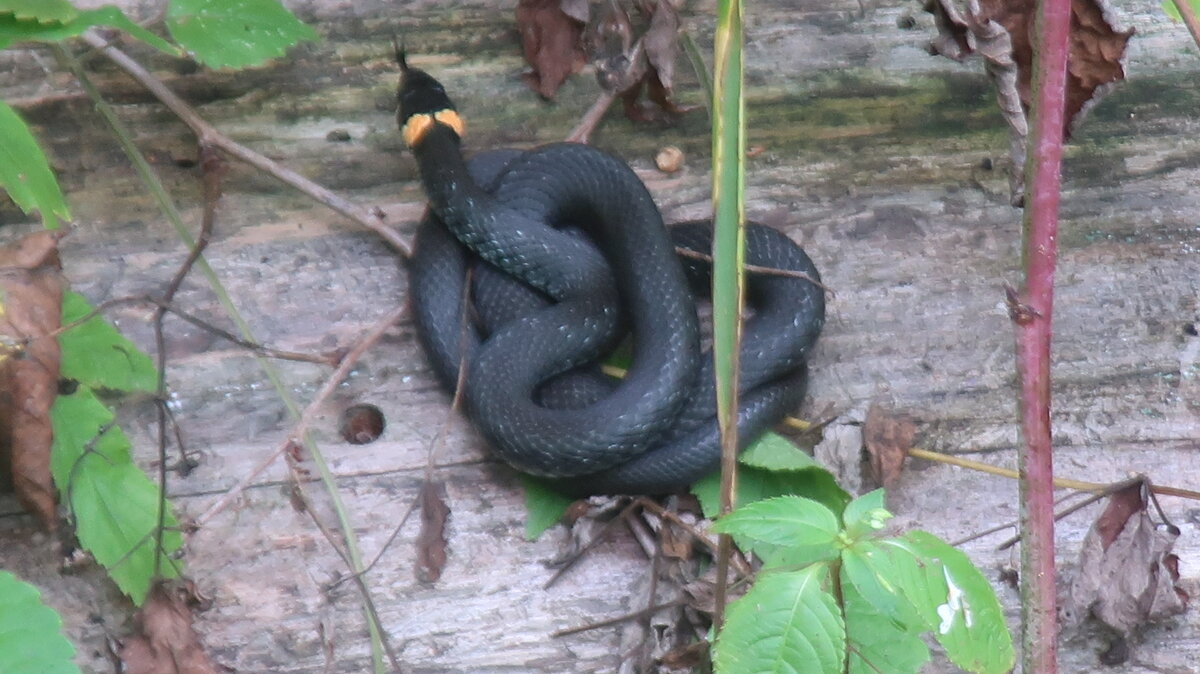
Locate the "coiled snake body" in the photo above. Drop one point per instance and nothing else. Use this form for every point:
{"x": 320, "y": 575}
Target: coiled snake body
{"x": 581, "y": 234}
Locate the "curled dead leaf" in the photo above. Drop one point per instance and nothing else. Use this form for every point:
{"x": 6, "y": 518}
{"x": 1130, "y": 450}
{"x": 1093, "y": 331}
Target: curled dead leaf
{"x": 31, "y": 288}
{"x": 888, "y": 437}
{"x": 164, "y": 641}
{"x": 1127, "y": 574}
{"x": 431, "y": 541}
{"x": 1000, "y": 31}
{"x": 550, "y": 40}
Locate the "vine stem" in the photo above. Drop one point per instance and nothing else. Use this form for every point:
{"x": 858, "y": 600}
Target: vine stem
{"x": 1031, "y": 312}
{"x": 208, "y": 136}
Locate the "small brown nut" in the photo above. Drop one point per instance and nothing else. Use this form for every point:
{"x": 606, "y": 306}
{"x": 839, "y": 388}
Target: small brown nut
{"x": 669, "y": 159}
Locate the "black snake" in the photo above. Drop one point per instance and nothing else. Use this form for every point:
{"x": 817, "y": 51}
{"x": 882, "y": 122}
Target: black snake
{"x": 570, "y": 256}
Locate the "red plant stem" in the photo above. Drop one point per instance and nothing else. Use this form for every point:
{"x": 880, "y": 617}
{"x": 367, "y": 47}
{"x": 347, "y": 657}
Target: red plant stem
{"x": 1033, "y": 332}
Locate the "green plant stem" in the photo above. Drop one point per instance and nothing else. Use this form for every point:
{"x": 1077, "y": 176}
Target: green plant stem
{"x": 1033, "y": 332}
{"x": 1189, "y": 19}
{"x": 167, "y": 205}
{"x": 701, "y": 69}
{"x": 729, "y": 150}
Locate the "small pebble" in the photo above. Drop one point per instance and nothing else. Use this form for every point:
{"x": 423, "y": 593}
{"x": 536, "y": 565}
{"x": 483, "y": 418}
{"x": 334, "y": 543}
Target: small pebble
{"x": 669, "y": 159}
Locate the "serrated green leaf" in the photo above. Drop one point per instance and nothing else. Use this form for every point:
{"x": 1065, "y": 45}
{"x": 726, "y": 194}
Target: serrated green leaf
{"x": 24, "y": 172}
{"x": 953, "y": 599}
{"x": 544, "y": 506}
{"x": 787, "y": 623}
{"x": 235, "y": 33}
{"x": 16, "y": 30}
{"x": 878, "y": 644}
{"x": 865, "y": 515}
{"x": 756, "y": 484}
{"x": 774, "y": 452}
{"x": 40, "y": 11}
{"x": 96, "y": 355}
{"x": 31, "y": 638}
{"x": 788, "y": 530}
{"x": 114, "y": 504}
{"x": 1173, "y": 11}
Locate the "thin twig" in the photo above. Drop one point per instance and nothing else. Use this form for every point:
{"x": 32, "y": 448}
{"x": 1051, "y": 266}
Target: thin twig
{"x": 1073, "y": 508}
{"x": 301, "y": 428}
{"x": 1093, "y": 487}
{"x": 336, "y": 543}
{"x": 211, "y": 167}
{"x": 636, "y": 615}
{"x": 207, "y": 134}
{"x": 756, "y": 269}
{"x": 412, "y": 506}
{"x": 582, "y": 132}
{"x": 602, "y": 535}
{"x": 653, "y": 506}
{"x": 269, "y": 352}
{"x": 1092, "y": 497}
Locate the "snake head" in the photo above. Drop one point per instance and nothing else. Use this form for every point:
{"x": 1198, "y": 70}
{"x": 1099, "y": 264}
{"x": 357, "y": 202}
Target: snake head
{"x": 421, "y": 98}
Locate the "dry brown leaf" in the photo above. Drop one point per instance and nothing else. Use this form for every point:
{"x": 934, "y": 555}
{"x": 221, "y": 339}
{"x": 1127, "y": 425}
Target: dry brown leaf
{"x": 662, "y": 42}
{"x": 31, "y": 288}
{"x": 687, "y": 658}
{"x": 1095, "y": 56}
{"x": 550, "y": 39}
{"x": 660, "y": 50}
{"x": 164, "y": 642}
{"x": 608, "y": 41}
{"x": 888, "y": 437}
{"x": 1000, "y": 32}
{"x": 676, "y": 544}
{"x": 431, "y": 541}
{"x": 1127, "y": 574}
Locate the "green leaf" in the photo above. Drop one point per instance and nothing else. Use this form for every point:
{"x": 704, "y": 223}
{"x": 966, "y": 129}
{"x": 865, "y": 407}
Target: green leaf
{"x": 78, "y": 419}
{"x": 788, "y": 530}
{"x": 756, "y": 484}
{"x": 40, "y": 11}
{"x": 877, "y": 644}
{"x": 31, "y": 638}
{"x": 865, "y": 565}
{"x": 113, "y": 16}
{"x": 865, "y": 515}
{"x": 24, "y": 171}
{"x": 114, "y": 504}
{"x": 953, "y": 599}
{"x": 1173, "y": 11}
{"x": 13, "y": 29}
{"x": 235, "y": 33}
{"x": 774, "y": 452}
{"x": 544, "y": 506}
{"x": 787, "y": 623}
{"x": 96, "y": 355}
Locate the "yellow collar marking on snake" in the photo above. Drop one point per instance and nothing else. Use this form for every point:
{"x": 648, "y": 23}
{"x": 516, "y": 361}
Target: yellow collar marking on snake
{"x": 418, "y": 125}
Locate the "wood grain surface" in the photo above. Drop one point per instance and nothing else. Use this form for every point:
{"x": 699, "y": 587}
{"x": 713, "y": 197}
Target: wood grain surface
{"x": 886, "y": 163}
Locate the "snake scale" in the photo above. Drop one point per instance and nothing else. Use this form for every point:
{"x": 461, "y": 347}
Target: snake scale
{"x": 567, "y": 256}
